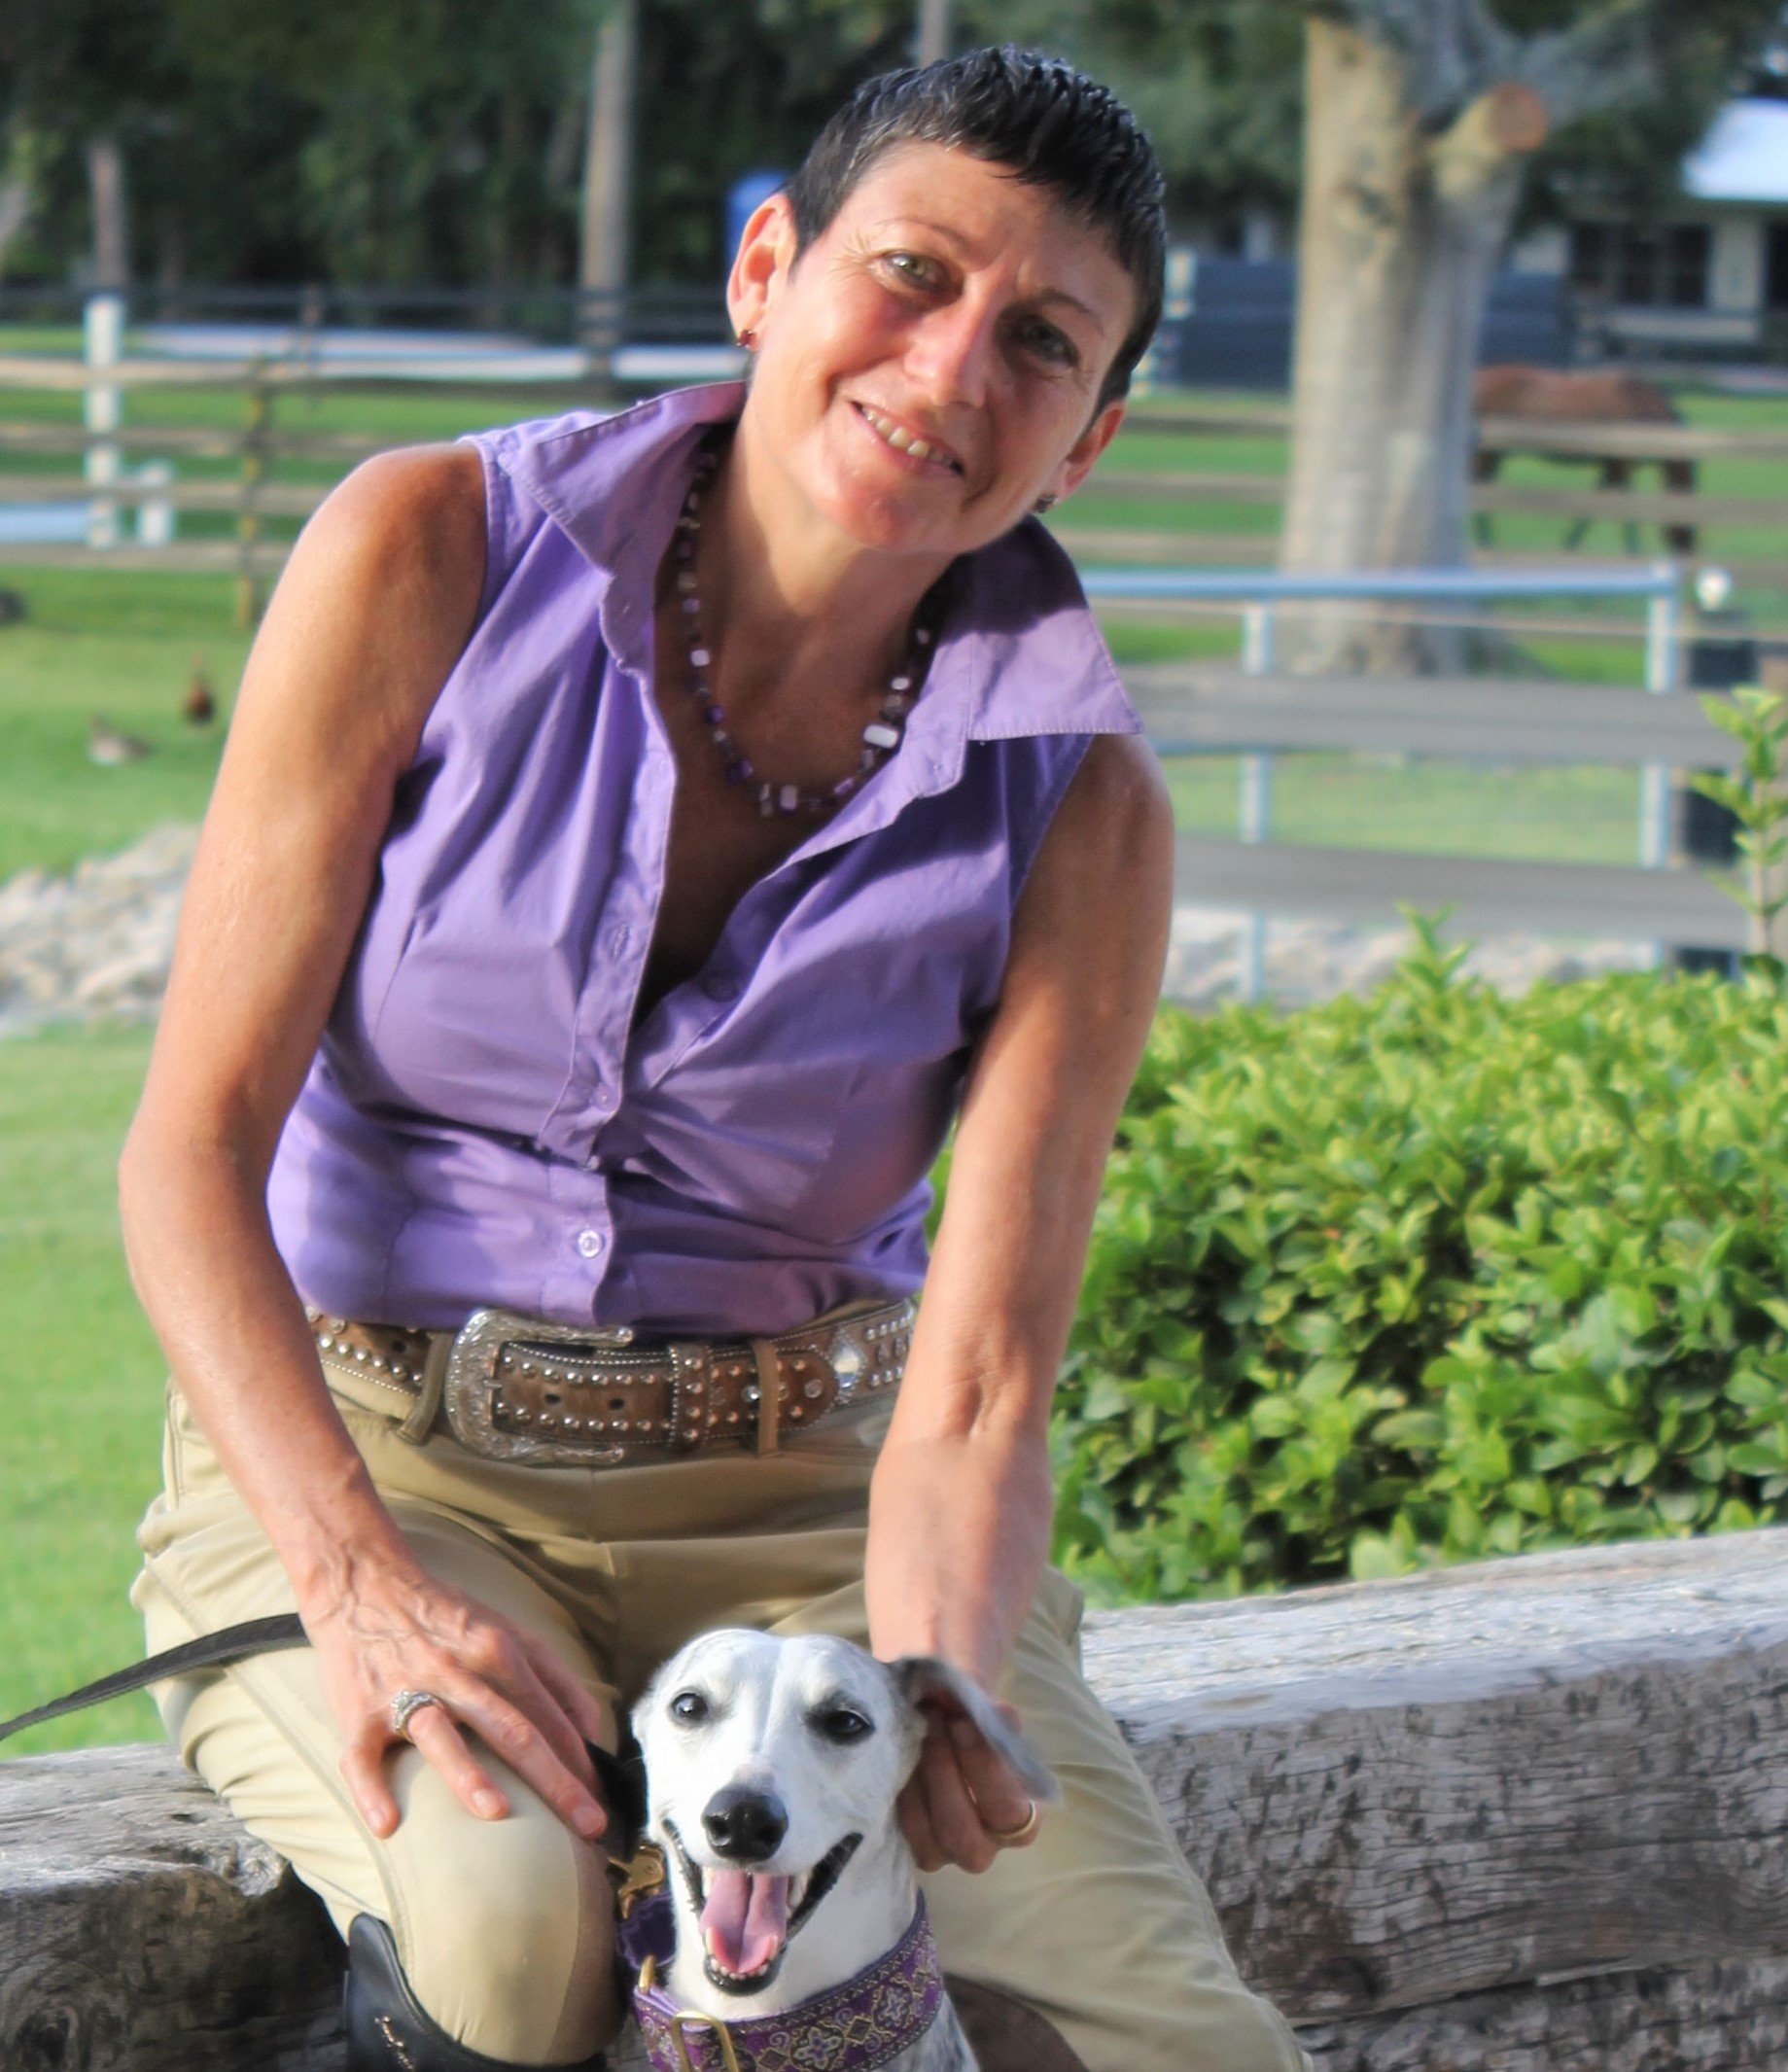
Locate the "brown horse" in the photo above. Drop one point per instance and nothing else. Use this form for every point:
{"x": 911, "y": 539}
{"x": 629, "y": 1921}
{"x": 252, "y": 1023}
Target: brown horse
{"x": 1548, "y": 397}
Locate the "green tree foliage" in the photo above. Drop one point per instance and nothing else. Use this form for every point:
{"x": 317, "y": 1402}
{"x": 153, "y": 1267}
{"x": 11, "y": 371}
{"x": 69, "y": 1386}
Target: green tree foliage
{"x": 1434, "y": 1275}
{"x": 391, "y": 141}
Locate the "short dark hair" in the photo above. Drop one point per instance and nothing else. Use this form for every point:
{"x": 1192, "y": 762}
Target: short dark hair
{"x": 1047, "y": 124}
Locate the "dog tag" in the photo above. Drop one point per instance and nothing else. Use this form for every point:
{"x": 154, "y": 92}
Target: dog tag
{"x": 638, "y": 1879}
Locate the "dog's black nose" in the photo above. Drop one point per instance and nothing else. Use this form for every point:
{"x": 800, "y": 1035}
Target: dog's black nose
{"x": 745, "y": 1825}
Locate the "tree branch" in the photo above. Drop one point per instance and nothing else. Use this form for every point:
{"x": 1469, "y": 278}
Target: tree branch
{"x": 1455, "y": 48}
{"x": 1595, "y": 64}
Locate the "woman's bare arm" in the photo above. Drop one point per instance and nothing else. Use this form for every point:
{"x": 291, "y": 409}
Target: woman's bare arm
{"x": 962, "y": 1502}
{"x": 369, "y": 620}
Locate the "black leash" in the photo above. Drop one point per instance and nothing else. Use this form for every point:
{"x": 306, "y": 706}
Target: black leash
{"x": 622, "y": 1777}
{"x": 231, "y": 1643}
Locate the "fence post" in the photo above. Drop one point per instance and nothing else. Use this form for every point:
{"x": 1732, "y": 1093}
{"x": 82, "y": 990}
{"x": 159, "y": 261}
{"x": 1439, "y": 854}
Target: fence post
{"x": 1255, "y": 811}
{"x": 102, "y": 333}
{"x": 155, "y": 513}
{"x": 255, "y": 442}
{"x": 1661, "y": 676}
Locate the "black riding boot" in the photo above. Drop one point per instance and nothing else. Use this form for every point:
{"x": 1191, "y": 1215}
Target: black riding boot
{"x": 387, "y": 2029}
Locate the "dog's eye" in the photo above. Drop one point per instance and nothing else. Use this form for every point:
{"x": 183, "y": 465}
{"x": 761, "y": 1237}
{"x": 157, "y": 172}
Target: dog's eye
{"x": 843, "y": 1723}
{"x": 688, "y": 1708}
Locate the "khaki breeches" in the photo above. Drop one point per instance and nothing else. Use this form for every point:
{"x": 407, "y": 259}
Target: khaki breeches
{"x": 503, "y": 1927}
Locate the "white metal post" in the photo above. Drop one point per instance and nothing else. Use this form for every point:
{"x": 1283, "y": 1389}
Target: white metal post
{"x": 102, "y": 333}
{"x": 1662, "y": 677}
{"x": 1255, "y": 809}
{"x": 155, "y": 513}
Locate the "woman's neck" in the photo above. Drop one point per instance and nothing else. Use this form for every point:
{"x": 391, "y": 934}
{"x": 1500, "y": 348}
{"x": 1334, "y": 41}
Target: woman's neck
{"x": 785, "y": 596}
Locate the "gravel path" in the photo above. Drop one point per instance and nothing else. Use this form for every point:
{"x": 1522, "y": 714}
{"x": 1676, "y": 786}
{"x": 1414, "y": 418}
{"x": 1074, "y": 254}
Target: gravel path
{"x": 96, "y": 945}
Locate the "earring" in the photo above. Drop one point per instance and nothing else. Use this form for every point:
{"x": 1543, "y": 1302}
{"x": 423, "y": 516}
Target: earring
{"x": 748, "y": 338}
{"x": 1043, "y": 504}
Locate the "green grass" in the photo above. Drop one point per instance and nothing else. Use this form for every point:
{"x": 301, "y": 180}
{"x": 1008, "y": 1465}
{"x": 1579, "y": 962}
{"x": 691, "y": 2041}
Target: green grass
{"x": 81, "y": 1385}
{"x": 125, "y": 645}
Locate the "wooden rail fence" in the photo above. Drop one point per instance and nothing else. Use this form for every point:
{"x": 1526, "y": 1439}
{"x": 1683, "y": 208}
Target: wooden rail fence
{"x": 1201, "y": 710}
{"x": 258, "y": 446}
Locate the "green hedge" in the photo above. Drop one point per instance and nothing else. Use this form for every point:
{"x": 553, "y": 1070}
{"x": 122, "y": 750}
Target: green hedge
{"x": 1434, "y": 1275}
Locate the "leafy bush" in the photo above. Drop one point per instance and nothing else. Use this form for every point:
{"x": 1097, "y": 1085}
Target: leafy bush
{"x": 1434, "y": 1275}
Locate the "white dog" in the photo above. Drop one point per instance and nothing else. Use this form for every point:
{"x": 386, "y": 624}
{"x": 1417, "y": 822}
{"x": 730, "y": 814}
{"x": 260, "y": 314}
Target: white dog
{"x": 773, "y": 1766}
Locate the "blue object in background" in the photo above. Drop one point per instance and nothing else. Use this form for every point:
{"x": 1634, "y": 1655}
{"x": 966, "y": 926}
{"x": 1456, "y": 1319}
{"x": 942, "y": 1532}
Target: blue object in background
{"x": 1233, "y": 326}
{"x": 742, "y": 197}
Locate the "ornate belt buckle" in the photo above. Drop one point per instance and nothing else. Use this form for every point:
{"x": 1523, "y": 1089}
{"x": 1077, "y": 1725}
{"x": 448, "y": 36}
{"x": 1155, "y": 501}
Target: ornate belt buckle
{"x": 469, "y": 1390}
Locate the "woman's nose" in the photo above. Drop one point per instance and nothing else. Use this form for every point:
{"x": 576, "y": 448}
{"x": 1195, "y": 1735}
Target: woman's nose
{"x": 950, "y": 354}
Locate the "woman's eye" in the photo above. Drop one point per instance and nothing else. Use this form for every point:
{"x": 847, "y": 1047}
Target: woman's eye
{"x": 911, "y": 267}
{"x": 1050, "y": 344}
{"x": 842, "y": 1724}
{"x": 688, "y": 1708}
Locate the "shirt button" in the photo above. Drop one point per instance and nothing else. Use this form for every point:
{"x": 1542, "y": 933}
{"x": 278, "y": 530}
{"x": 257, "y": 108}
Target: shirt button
{"x": 589, "y": 1242}
{"x": 619, "y": 941}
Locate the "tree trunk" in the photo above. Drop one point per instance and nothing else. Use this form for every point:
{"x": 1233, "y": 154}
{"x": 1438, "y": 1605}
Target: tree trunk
{"x": 1400, "y": 232}
{"x": 105, "y": 179}
{"x": 602, "y": 263}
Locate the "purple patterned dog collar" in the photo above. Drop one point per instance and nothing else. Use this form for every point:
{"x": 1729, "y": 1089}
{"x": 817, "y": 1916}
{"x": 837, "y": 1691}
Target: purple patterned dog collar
{"x": 852, "y": 2027}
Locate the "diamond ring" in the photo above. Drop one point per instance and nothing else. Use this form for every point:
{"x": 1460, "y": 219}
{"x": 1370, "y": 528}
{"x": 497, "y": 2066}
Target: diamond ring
{"x": 407, "y": 1704}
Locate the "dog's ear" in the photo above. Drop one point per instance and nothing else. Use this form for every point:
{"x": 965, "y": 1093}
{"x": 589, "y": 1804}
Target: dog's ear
{"x": 922, "y": 1679}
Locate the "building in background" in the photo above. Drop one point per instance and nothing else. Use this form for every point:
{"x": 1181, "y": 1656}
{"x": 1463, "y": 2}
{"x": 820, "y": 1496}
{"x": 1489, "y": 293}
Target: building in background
{"x": 1710, "y": 278}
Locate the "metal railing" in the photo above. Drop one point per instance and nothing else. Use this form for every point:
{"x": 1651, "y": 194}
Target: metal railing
{"x": 1261, "y": 592}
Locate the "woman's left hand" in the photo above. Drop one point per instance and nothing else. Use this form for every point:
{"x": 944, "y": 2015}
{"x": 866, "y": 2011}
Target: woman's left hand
{"x": 963, "y": 1805}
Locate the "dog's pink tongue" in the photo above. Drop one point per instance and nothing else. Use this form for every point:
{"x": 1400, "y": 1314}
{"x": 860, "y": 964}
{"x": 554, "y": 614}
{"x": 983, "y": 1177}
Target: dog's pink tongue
{"x": 745, "y": 1918}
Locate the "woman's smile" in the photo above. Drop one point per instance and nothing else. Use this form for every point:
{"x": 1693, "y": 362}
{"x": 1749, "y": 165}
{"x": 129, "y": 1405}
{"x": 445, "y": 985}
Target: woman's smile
{"x": 920, "y": 455}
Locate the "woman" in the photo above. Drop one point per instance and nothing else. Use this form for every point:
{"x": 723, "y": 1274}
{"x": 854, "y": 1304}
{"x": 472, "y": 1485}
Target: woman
{"x": 636, "y": 839}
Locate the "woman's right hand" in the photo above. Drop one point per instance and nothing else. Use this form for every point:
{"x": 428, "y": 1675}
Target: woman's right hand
{"x": 409, "y": 1632}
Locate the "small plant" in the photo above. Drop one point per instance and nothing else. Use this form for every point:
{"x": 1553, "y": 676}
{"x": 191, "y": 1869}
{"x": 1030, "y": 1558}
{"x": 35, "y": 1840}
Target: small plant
{"x": 1756, "y": 797}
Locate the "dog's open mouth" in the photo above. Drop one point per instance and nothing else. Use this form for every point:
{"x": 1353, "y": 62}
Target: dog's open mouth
{"x": 747, "y": 1917}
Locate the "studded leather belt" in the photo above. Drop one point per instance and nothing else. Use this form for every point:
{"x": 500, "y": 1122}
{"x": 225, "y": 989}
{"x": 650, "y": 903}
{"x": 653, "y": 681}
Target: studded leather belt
{"x": 515, "y": 1387}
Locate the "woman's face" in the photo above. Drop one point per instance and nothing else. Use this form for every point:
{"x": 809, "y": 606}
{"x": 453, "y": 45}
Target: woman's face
{"x": 931, "y": 366}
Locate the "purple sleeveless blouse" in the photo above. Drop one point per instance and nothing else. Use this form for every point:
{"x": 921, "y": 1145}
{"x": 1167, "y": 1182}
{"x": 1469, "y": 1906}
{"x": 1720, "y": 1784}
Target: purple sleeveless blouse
{"x": 479, "y": 1125}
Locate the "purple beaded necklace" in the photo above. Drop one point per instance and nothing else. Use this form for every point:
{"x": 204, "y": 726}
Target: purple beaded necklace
{"x": 881, "y": 737}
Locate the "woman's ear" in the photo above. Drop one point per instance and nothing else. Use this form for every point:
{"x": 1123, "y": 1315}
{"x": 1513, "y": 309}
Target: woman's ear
{"x": 767, "y": 251}
{"x": 925, "y": 1679}
{"x": 1078, "y": 461}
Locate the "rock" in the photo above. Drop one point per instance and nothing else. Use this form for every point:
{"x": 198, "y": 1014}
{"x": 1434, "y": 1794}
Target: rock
{"x": 96, "y": 943}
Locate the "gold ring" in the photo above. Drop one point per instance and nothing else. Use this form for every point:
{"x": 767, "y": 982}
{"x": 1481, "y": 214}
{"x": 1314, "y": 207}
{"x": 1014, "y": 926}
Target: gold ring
{"x": 1010, "y": 1837}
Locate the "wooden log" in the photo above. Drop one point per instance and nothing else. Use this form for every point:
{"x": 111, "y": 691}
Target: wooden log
{"x": 141, "y": 1929}
{"x": 1518, "y": 1816}
{"x": 1724, "y": 2017}
{"x": 1482, "y": 1777}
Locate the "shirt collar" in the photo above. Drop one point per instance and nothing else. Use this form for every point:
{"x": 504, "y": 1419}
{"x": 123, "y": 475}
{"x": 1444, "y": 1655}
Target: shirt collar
{"x": 1019, "y": 653}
